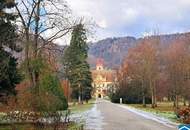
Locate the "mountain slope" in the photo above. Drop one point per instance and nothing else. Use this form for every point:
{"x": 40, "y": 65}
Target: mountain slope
{"x": 113, "y": 50}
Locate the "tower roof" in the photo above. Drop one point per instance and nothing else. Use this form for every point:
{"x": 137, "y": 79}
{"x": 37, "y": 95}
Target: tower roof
{"x": 99, "y": 62}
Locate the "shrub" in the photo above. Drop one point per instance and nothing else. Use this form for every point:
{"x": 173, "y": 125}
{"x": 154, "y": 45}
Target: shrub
{"x": 50, "y": 88}
{"x": 128, "y": 97}
{"x": 184, "y": 115}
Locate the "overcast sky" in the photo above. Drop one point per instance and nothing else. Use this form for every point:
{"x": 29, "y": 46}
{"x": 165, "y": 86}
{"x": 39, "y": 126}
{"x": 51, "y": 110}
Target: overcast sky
{"x": 134, "y": 17}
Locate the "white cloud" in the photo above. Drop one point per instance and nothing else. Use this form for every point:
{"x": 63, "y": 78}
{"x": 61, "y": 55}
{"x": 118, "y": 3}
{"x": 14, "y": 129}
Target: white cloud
{"x": 131, "y": 15}
{"x": 114, "y": 16}
{"x": 102, "y": 24}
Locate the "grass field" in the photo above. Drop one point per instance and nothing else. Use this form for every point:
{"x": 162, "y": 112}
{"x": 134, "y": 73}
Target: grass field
{"x": 164, "y": 109}
{"x": 77, "y": 108}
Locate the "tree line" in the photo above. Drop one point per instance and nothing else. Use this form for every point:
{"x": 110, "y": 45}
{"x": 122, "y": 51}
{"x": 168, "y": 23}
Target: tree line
{"x": 30, "y": 29}
{"x": 154, "y": 72}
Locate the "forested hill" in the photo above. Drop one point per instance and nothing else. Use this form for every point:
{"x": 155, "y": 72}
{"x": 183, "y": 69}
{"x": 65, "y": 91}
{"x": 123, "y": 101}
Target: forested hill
{"x": 113, "y": 50}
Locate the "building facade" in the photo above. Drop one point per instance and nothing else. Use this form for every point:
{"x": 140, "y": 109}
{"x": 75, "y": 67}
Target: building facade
{"x": 103, "y": 79}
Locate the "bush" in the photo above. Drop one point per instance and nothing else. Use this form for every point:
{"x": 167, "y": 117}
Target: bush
{"x": 184, "y": 115}
{"x": 50, "y": 88}
{"x": 115, "y": 98}
{"x": 48, "y": 96}
{"x": 130, "y": 95}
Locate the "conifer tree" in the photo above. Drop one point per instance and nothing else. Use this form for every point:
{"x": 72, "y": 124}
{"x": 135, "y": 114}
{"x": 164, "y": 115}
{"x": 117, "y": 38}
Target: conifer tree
{"x": 9, "y": 75}
{"x": 76, "y": 66}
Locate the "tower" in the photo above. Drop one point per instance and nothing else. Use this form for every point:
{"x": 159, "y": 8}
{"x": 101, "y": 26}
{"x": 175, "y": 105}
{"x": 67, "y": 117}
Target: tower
{"x": 99, "y": 64}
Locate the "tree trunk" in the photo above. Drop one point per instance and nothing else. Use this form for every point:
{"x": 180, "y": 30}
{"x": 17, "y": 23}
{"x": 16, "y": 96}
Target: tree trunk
{"x": 174, "y": 103}
{"x": 152, "y": 94}
{"x": 81, "y": 95}
{"x": 153, "y": 101}
{"x": 144, "y": 101}
{"x": 79, "y": 98}
{"x": 156, "y": 102}
{"x": 143, "y": 95}
{"x": 35, "y": 46}
{"x": 155, "y": 95}
{"x": 184, "y": 102}
{"x": 36, "y": 36}
{"x": 27, "y": 59}
{"x": 177, "y": 101}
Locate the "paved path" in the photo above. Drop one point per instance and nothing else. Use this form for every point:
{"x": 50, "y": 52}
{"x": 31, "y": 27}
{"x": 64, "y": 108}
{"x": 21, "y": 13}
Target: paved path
{"x": 119, "y": 118}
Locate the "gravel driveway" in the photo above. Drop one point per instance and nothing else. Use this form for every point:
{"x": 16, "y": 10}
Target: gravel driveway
{"x": 115, "y": 117}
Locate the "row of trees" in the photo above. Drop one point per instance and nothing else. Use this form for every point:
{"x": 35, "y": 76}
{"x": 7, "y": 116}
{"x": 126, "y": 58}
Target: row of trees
{"x": 31, "y": 30}
{"x": 152, "y": 71}
{"x": 27, "y": 28}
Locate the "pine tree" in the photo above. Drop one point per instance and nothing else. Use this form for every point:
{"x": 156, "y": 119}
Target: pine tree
{"x": 9, "y": 75}
{"x": 7, "y": 28}
{"x": 76, "y": 67}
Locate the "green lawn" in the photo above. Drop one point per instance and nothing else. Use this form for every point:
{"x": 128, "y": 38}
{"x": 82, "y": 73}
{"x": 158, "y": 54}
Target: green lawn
{"x": 164, "y": 109}
{"x": 78, "y": 108}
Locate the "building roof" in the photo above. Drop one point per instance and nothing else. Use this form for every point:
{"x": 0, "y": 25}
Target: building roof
{"x": 109, "y": 75}
{"x": 99, "y": 62}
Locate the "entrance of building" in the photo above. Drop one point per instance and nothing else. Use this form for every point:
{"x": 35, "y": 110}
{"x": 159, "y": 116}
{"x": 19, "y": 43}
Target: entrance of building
{"x": 99, "y": 96}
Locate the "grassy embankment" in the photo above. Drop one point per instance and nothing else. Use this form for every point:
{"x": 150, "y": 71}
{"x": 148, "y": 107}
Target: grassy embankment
{"x": 164, "y": 109}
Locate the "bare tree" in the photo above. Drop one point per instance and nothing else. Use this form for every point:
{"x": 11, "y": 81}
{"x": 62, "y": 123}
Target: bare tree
{"x": 177, "y": 67}
{"x": 41, "y": 22}
{"x": 143, "y": 65}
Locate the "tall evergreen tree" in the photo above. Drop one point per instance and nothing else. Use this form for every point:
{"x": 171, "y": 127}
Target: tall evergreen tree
{"x": 7, "y": 26}
{"x": 76, "y": 66}
{"x": 9, "y": 75}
